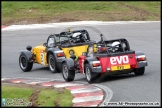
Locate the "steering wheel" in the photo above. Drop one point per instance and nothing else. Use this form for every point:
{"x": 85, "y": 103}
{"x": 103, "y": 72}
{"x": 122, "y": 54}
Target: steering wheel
{"x": 109, "y": 49}
{"x": 72, "y": 40}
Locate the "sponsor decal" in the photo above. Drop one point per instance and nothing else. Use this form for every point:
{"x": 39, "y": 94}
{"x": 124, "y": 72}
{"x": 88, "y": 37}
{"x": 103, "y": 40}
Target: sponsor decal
{"x": 119, "y": 60}
{"x": 71, "y": 51}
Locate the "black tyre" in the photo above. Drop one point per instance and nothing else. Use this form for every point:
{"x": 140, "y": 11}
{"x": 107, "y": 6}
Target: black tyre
{"x": 68, "y": 75}
{"x": 140, "y": 71}
{"x": 52, "y": 64}
{"x": 24, "y": 64}
{"x": 90, "y": 76}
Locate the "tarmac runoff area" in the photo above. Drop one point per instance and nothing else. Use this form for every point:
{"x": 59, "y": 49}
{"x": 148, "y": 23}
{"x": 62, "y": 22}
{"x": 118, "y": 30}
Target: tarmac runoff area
{"x": 67, "y": 24}
{"x": 84, "y": 94}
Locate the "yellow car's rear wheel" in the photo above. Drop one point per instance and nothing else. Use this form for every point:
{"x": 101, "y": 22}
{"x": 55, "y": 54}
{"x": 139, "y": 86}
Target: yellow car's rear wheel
{"x": 68, "y": 75}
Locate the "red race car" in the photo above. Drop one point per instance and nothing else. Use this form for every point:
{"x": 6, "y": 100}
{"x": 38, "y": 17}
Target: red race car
{"x": 107, "y": 57}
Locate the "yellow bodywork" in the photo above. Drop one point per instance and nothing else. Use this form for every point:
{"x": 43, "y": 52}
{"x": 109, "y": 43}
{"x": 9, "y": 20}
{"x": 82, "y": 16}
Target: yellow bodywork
{"x": 78, "y": 50}
{"x": 40, "y": 54}
{"x": 95, "y": 48}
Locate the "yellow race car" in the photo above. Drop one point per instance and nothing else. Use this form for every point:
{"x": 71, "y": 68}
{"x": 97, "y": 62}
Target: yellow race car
{"x": 55, "y": 50}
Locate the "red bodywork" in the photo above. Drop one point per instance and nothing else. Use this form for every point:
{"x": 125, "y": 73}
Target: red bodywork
{"x": 113, "y": 63}
{"x": 81, "y": 61}
{"x": 116, "y": 63}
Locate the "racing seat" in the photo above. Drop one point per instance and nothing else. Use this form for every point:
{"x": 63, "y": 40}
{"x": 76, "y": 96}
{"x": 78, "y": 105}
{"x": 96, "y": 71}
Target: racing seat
{"x": 120, "y": 49}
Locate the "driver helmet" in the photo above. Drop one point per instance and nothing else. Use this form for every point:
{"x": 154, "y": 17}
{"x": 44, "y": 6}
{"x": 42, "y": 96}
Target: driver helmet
{"x": 116, "y": 45}
{"x": 76, "y": 37}
{"x": 76, "y": 34}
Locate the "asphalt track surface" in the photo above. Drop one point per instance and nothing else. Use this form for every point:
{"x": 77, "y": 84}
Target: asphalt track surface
{"x": 126, "y": 88}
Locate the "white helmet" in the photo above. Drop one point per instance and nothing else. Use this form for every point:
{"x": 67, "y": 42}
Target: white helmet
{"x": 76, "y": 34}
{"x": 116, "y": 44}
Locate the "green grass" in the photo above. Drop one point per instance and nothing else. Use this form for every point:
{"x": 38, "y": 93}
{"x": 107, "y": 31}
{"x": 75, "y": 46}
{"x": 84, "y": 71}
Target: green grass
{"x": 14, "y": 92}
{"x": 42, "y": 12}
{"x": 153, "y": 7}
{"x": 11, "y": 92}
{"x": 67, "y": 99}
{"x": 46, "y": 97}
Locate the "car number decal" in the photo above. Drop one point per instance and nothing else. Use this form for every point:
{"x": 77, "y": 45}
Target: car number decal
{"x": 120, "y": 67}
{"x": 42, "y": 57}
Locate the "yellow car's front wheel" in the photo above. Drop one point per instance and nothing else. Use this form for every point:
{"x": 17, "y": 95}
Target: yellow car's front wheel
{"x": 52, "y": 64}
{"x": 24, "y": 64}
